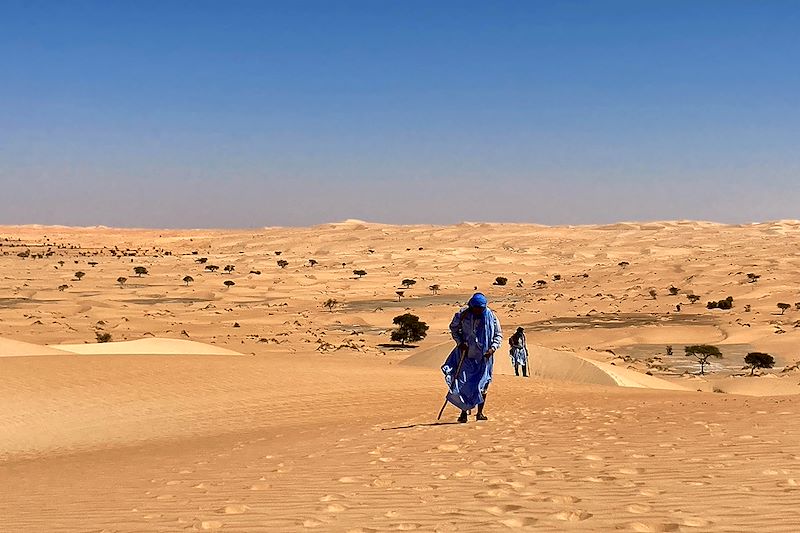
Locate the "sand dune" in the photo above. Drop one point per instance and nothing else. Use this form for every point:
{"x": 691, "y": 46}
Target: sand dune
{"x": 252, "y": 407}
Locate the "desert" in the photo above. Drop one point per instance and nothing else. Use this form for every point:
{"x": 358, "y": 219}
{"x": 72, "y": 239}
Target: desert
{"x": 147, "y": 394}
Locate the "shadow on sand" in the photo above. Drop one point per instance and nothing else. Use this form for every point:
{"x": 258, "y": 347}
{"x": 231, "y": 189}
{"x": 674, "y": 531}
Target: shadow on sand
{"x": 421, "y": 425}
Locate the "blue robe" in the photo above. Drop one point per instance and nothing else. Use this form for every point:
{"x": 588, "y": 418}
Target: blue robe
{"x": 480, "y": 333}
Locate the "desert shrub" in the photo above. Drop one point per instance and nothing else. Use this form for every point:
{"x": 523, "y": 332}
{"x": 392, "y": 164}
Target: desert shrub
{"x": 623, "y": 264}
{"x": 500, "y": 280}
{"x": 556, "y": 277}
{"x": 102, "y": 336}
{"x": 201, "y": 260}
{"x": 187, "y": 280}
{"x": 752, "y": 278}
{"x": 434, "y": 288}
{"x": 140, "y": 271}
{"x": 652, "y": 293}
{"x": 256, "y": 272}
{"x": 669, "y": 349}
{"x": 79, "y": 275}
{"x": 62, "y": 288}
{"x": 410, "y": 329}
{"x": 283, "y": 263}
{"x": 758, "y": 360}
{"x": 312, "y": 262}
{"x": 360, "y": 273}
{"x": 229, "y": 268}
{"x": 783, "y": 307}
{"x": 212, "y": 268}
{"x": 121, "y": 280}
{"x": 330, "y": 303}
{"x": 693, "y": 298}
{"x": 673, "y": 291}
{"x": 702, "y": 352}
{"x": 727, "y": 303}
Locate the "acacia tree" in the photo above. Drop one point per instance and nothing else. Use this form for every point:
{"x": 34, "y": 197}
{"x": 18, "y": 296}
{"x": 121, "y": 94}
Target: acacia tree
{"x": 783, "y": 307}
{"x": 360, "y": 273}
{"x": 121, "y": 280}
{"x": 702, "y": 352}
{"x": 758, "y": 360}
{"x": 283, "y": 263}
{"x": 500, "y": 280}
{"x": 212, "y": 268}
{"x": 229, "y": 268}
{"x": 407, "y": 283}
{"x": 140, "y": 271}
{"x": 434, "y": 288}
{"x": 693, "y": 298}
{"x": 330, "y": 303}
{"x": 410, "y": 329}
{"x": 399, "y": 294}
{"x": 228, "y": 283}
{"x": 79, "y": 275}
{"x": 187, "y": 280}
{"x": 312, "y": 262}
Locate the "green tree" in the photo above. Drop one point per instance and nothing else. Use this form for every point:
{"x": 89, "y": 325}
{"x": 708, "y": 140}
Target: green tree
{"x": 410, "y": 329}
{"x": 407, "y": 283}
{"x": 758, "y": 360}
{"x": 212, "y": 268}
{"x": 783, "y": 307}
{"x": 121, "y": 280}
{"x": 228, "y": 283}
{"x": 187, "y": 280}
{"x": 140, "y": 271}
{"x": 79, "y": 275}
{"x": 360, "y": 273}
{"x": 702, "y": 352}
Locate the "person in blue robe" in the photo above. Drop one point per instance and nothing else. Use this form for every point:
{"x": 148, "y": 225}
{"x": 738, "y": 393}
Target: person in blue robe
{"x": 519, "y": 352}
{"x": 468, "y": 368}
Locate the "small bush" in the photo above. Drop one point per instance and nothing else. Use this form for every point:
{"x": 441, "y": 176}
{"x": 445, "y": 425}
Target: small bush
{"x": 103, "y": 337}
{"x": 500, "y": 280}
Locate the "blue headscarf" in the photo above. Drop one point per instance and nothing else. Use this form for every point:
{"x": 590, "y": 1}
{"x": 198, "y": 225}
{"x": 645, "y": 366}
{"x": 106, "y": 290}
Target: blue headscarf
{"x": 484, "y": 330}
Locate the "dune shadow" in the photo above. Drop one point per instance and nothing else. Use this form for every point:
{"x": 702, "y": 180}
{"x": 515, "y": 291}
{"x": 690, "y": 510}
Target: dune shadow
{"x": 429, "y": 424}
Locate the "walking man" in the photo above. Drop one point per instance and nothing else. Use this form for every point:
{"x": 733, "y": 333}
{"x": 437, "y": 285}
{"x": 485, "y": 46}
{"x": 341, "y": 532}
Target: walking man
{"x": 468, "y": 369}
{"x": 519, "y": 352}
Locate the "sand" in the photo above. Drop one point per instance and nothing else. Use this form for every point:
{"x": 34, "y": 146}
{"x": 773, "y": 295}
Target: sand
{"x": 252, "y": 407}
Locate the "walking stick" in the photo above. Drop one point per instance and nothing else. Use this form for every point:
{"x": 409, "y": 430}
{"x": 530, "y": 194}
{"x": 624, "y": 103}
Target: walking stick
{"x": 455, "y": 377}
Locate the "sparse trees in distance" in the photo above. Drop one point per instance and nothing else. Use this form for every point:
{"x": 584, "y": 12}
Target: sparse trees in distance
{"x": 228, "y": 283}
{"x": 434, "y": 288}
{"x": 674, "y": 290}
{"x": 201, "y": 260}
{"x": 783, "y": 307}
{"x": 693, "y": 298}
{"x": 702, "y": 352}
{"x": 727, "y": 303}
{"x": 758, "y": 360}
{"x": 283, "y": 263}
{"x": 407, "y": 283}
{"x": 500, "y": 280}
{"x": 410, "y": 329}
{"x": 103, "y": 336}
{"x": 62, "y": 288}
{"x": 312, "y": 262}
{"x": 229, "y": 268}
{"x": 187, "y": 280}
{"x": 330, "y": 303}
{"x": 212, "y": 268}
{"x": 399, "y": 294}
{"x": 752, "y": 278}
{"x": 140, "y": 271}
{"x": 121, "y": 280}
{"x": 79, "y": 275}
{"x": 360, "y": 273}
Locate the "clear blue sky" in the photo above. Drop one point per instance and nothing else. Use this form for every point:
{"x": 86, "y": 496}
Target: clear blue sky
{"x": 245, "y": 114}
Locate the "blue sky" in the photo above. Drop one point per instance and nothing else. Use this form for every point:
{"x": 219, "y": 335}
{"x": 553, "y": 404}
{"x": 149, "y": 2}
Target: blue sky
{"x": 245, "y": 114}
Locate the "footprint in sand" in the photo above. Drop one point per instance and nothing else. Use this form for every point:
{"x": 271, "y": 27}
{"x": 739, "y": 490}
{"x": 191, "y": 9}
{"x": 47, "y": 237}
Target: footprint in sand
{"x": 578, "y": 515}
{"x": 642, "y": 527}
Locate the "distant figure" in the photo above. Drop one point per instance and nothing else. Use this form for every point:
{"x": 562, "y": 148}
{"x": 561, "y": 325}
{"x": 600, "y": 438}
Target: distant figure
{"x": 519, "y": 352}
{"x": 468, "y": 368}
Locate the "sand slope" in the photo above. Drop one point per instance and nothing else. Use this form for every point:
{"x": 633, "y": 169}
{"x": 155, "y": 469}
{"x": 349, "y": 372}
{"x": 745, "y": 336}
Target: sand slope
{"x": 153, "y": 346}
{"x": 14, "y": 348}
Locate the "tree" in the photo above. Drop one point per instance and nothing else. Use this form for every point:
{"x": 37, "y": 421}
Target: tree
{"x": 693, "y": 298}
{"x": 752, "y": 278}
{"x": 758, "y": 360}
{"x": 797, "y": 305}
{"x": 62, "y": 288}
{"x": 702, "y": 352}
{"x": 312, "y": 262}
{"x": 140, "y": 271}
{"x": 228, "y": 283}
{"x": 783, "y": 307}
{"x": 121, "y": 280}
{"x": 674, "y": 291}
{"x": 623, "y": 264}
{"x": 556, "y": 277}
{"x": 407, "y": 283}
{"x": 229, "y": 268}
{"x": 79, "y": 275}
{"x": 434, "y": 288}
{"x": 652, "y": 293}
{"x": 201, "y": 260}
{"x": 187, "y": 280}
{"x": 283, "y": 263}
{"x": 410, "y": 329}
{"x": 102, "y": 337}
{"x": 212, "y": 268}
{"x": 330, "y": 303}
{"x": 540, "y": 283}
{"x": 93, "y": 263}
{"x": 399, "y": 294}
{"x": 500, "y": 280}
{"x": 360, "y": 273}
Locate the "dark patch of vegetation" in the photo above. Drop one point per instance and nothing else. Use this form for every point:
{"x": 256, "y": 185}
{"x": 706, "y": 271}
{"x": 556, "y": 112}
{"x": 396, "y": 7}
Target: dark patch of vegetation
{"x": 410, "y": 329}
{"x": 500, "y": 280}
{"x": 702, "y": 352}
{"x": 758, "y": 360}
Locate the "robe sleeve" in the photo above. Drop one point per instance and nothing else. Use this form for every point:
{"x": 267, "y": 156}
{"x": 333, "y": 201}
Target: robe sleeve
{"x": 455, "y": 329}
{"x": 497, "y": 339}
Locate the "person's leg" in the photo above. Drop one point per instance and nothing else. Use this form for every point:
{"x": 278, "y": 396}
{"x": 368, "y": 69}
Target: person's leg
{"x": 463, "y": 417}
{"x": 480, "y": 415}
{"x": 524, "y": 371}
{"x": 516, "y": 368}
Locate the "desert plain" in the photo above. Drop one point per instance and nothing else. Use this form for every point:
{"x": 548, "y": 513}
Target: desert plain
{"x": 252, "y": 406}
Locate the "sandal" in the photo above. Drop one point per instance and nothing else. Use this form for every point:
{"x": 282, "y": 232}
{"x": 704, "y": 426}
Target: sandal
{"x": 481, "y": 416}
{"x": 462, "y": 419}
